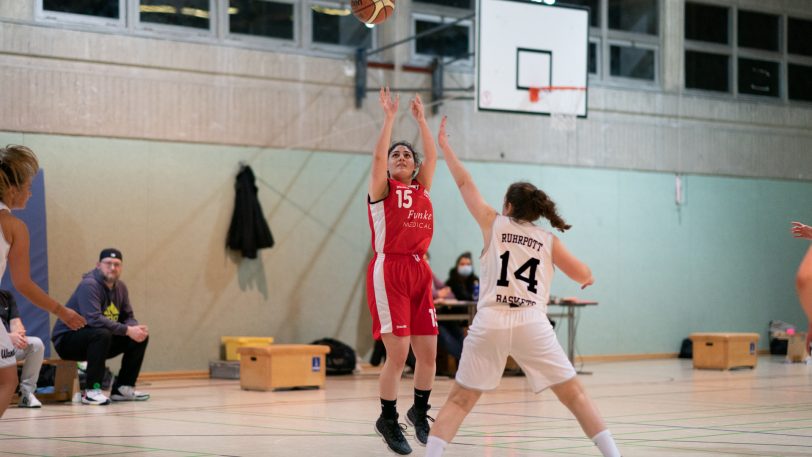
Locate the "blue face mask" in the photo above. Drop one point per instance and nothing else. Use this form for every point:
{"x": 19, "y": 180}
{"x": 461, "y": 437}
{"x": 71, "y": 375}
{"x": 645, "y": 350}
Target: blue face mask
{"x": 465, "y": 270}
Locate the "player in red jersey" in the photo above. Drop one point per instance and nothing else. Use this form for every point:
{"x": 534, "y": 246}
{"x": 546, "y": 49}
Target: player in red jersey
{"x": 398, "y": 279}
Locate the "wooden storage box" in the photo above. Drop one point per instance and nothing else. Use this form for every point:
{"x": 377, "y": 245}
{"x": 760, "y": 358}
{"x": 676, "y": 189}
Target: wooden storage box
{"x": 231, "y": 343}
{"x": 723, "y": 351}
{"x": 282, "y": 366}
{"x": 66, "y": 382}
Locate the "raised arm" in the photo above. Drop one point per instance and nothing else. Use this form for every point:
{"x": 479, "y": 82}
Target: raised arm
{"x": 483, "y": 213}
{"x": 426, "y": 174}
{"x": 800, "y": 230}
{"x": 19, "y": 266}
{"x": 572, "y": 267}
{"x": 378, "y": 184}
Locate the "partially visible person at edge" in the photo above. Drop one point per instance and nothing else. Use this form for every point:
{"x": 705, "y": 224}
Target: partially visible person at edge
{"x": 30, "y": 350}
{"x": 517, "y": 262}
{"x": 401, "y": 219}
{"x": 18, "y": 166}
{"x": 803, "y": 280}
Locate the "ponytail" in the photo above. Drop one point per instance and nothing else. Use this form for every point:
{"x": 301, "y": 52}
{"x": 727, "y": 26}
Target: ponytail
{"x": 529, "y": 203}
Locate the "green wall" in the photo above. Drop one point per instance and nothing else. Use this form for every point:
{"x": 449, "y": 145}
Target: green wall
{"x": 723, "y": 261}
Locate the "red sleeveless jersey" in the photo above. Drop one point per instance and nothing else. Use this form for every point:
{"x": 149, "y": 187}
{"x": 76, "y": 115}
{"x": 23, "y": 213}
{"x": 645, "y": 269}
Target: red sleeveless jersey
{"x": 403, "y": 222}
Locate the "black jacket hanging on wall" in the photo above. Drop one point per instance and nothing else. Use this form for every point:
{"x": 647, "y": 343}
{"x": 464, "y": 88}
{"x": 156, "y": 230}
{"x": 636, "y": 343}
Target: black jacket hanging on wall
{"x": 249, "y": 231}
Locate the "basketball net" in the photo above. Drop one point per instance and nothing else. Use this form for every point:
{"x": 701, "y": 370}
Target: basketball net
{"x": 562, "y": 102}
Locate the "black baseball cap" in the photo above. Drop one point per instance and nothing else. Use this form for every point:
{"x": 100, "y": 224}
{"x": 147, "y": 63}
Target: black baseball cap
{"x": 113, "y": 253}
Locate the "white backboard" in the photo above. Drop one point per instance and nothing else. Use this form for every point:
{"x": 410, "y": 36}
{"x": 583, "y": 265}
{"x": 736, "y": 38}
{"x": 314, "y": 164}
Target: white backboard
{"x": 525, "y": 44}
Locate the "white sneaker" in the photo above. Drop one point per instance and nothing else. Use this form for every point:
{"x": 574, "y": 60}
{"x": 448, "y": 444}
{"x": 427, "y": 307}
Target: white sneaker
{"x": 94, "y": 397}
{"x": 128, "y": 393}
{"x": 29, "y": 401}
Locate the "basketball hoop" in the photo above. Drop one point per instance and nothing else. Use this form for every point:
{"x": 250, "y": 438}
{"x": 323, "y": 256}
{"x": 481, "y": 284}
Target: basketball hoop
{"x": 562, "y": 102}
{"x": 534, "y": 94}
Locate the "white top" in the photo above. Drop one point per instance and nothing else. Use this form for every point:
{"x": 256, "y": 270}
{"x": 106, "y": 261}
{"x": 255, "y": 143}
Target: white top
{"x": 4, "y": 246}
{"x": 517, "y": 268}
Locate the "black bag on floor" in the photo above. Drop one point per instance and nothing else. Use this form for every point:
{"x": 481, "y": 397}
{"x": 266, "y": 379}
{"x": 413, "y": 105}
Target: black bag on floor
{"x": 341, "y": 359}
{"x": 686, "y": 350}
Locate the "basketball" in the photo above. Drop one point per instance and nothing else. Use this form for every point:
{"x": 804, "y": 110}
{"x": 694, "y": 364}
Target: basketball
{"x": 373, "y": 11}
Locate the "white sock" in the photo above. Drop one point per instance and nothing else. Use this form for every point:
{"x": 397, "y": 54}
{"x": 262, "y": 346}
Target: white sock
{"x": 606, "y": 444}
{"x": 435, "y": 447}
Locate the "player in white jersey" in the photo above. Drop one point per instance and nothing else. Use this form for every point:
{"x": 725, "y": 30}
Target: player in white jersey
{"x": 18, "y": 165}
{"x": 517, "y": 266}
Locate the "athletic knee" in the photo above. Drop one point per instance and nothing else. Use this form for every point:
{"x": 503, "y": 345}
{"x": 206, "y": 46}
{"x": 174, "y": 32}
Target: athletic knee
{"x": 463, "y": 398}
{"x": 397, "y": 358}
{"x": 570, "y": 393}
{"x": 36, "y": 344}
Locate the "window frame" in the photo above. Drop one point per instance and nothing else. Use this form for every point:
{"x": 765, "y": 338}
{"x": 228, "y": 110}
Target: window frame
{"x": 426, "y": 59}
{"x": 606, "y": 37}
{"x": 194, "y": 34}
{"x": 57, "y": 17}
{"x": 728, "y": 50}
{"x": 257, "y": 41}
{"x": 735, "y": 52}
{"x": 629, "y": 81}
{"x": 326, "y": 49}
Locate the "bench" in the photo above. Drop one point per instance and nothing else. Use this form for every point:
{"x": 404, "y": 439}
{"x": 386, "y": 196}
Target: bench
{"x": 66, "y": 382}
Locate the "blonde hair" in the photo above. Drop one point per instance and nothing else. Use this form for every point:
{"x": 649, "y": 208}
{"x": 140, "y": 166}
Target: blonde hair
{"x": 18, "y": 164}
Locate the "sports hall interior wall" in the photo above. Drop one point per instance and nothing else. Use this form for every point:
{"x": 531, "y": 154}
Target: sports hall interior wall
{"x": 140, "y": 139}
{"x": 721, "y": 261}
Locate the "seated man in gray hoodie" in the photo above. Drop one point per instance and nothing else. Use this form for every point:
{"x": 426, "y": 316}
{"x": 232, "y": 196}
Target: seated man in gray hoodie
{"x": 102, "y": 299}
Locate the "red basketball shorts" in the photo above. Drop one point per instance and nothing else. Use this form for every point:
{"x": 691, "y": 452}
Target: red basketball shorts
{"x": 399, "y": 296}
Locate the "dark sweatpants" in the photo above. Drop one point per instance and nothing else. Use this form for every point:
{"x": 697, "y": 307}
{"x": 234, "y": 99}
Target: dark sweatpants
{"x": 96, "y": 345}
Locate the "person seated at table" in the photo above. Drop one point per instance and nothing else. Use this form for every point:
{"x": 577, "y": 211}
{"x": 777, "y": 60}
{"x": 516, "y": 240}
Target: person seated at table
{"x": 461, "y": 278}
{"x": 461, "y": 282}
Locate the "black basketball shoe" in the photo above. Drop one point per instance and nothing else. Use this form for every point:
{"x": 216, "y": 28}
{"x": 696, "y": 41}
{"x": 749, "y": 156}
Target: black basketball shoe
{"x": 392, "y": 433}
{"x": 420, "y": 421}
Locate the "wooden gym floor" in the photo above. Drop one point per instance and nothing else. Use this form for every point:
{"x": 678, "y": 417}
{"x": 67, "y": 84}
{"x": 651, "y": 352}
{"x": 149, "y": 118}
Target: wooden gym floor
{"x": 654, "y": 408}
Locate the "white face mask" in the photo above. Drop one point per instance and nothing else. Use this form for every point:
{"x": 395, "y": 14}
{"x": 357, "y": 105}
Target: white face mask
{"x": 465, "y": 270}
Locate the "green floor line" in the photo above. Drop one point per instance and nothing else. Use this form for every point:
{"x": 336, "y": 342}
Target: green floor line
{"x": 221, "y": 424}
{"x": 714, "y": 452}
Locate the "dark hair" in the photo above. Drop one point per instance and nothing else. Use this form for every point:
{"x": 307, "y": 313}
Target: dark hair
{"x": 415, "y": 154}
{"x": 462, "y": 286}
{"x": 464, "y": 255}
{"x": 528, "y": 203}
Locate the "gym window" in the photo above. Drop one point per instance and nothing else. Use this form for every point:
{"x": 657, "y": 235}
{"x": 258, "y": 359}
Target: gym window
{"x": 624, "y": 41}
{"x": 331, "y": 26}
{"x": 636, "y": 16}
{"x": 766, "y": 55}
{"x": 632, "y": 62}
{"x": 707, "y": 47}
{"x": 105, "y": 13}
{"x": 452, "y": 42}
{"x": 450, "y": 3}
{"x": 707, "y": 71}
{"x": 194, "y": 14}
{"x": 262, "y": 18}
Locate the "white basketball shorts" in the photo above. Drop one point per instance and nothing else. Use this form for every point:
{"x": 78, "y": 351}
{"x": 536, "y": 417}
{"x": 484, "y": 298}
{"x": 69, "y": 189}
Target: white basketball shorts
{"x": 526, "y": 335}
